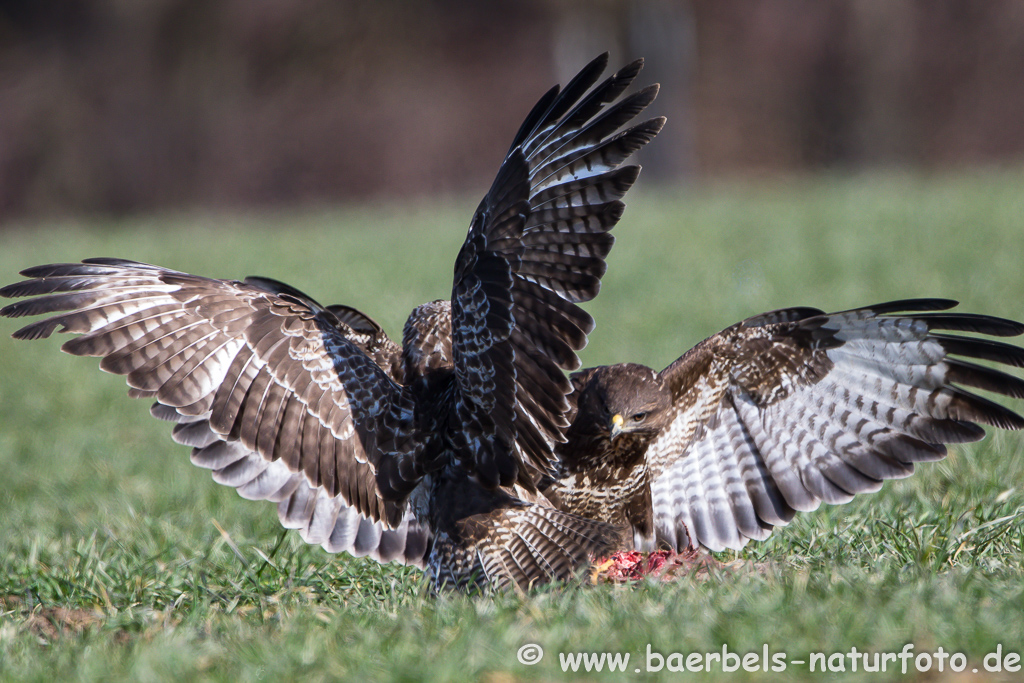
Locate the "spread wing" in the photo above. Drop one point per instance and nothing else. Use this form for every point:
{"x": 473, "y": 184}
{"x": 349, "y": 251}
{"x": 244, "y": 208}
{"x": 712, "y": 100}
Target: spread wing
{"x": 783, "y": 411}
{"x": 535, "y": 248}
{"x": 320, "y": 518}
{"x": 264, "y": 382}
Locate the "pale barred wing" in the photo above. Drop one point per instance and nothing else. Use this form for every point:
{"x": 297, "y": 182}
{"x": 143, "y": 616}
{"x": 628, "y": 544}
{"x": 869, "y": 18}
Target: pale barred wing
{"x": 784, "y": 411}
{"x": 269, "y": 371}
{"x": 320, "y": 518}
{"x": 535, "y": 248}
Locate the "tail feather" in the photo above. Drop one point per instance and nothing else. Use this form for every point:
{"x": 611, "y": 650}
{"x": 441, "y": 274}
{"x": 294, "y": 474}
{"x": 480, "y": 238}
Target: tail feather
{"x": 520, "y": 547}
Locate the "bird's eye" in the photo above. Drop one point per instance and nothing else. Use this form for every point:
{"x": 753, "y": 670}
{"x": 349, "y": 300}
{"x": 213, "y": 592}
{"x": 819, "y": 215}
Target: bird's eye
{"x": 639, "y": 417}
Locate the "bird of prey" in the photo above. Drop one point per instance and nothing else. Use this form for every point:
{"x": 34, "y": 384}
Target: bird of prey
{"x": 427, "y": 453}
{"x": 776, "y": 414}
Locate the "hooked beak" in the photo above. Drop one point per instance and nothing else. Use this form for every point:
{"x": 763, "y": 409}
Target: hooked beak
{"x": 616, "y": 426}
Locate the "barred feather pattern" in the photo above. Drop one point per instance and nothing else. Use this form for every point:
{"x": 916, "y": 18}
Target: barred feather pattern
{"x": 519, "y": 547}
{"x": 536, "y": 248}
{"x": 321, "y": 519}
{"x": 356, "y": 326}
{"x": 774, "y": 418}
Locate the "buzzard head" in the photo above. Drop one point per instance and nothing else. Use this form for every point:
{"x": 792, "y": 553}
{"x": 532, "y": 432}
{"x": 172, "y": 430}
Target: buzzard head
{"x": 629, "y": 399}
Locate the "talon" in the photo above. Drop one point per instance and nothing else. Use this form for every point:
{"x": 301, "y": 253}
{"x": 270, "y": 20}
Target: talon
{"x": 599, "y": 568}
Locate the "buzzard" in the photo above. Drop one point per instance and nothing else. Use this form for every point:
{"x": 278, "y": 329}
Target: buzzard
{"x": 775, "y": 415}
{"x": 427, "y": 453}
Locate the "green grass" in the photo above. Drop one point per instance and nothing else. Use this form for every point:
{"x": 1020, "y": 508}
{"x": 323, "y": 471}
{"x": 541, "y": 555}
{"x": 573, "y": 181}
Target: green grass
{"x": 114, "y": 566}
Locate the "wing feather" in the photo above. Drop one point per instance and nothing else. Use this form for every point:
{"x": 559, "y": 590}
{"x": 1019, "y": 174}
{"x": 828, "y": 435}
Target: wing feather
{"x": 793, "y": 408}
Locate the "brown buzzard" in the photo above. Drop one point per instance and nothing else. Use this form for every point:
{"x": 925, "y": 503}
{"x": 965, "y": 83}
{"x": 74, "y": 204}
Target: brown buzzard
{"x": 775, "y": 415}
{"x": 426, "y": 453}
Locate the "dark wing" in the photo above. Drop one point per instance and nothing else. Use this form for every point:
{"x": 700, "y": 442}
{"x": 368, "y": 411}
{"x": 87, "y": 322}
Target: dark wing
{"x": 783, "y": 411}
{"x": 245, "y": 370}
{"x": 535, "y": 248}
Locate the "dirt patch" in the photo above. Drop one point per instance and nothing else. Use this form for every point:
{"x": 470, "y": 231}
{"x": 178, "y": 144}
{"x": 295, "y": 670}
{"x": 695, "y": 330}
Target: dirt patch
{"x": 50, "y": 623}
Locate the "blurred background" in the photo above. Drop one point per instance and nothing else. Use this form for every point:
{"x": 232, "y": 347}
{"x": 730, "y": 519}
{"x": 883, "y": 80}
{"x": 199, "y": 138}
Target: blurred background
{"x": 114, "y": 107}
